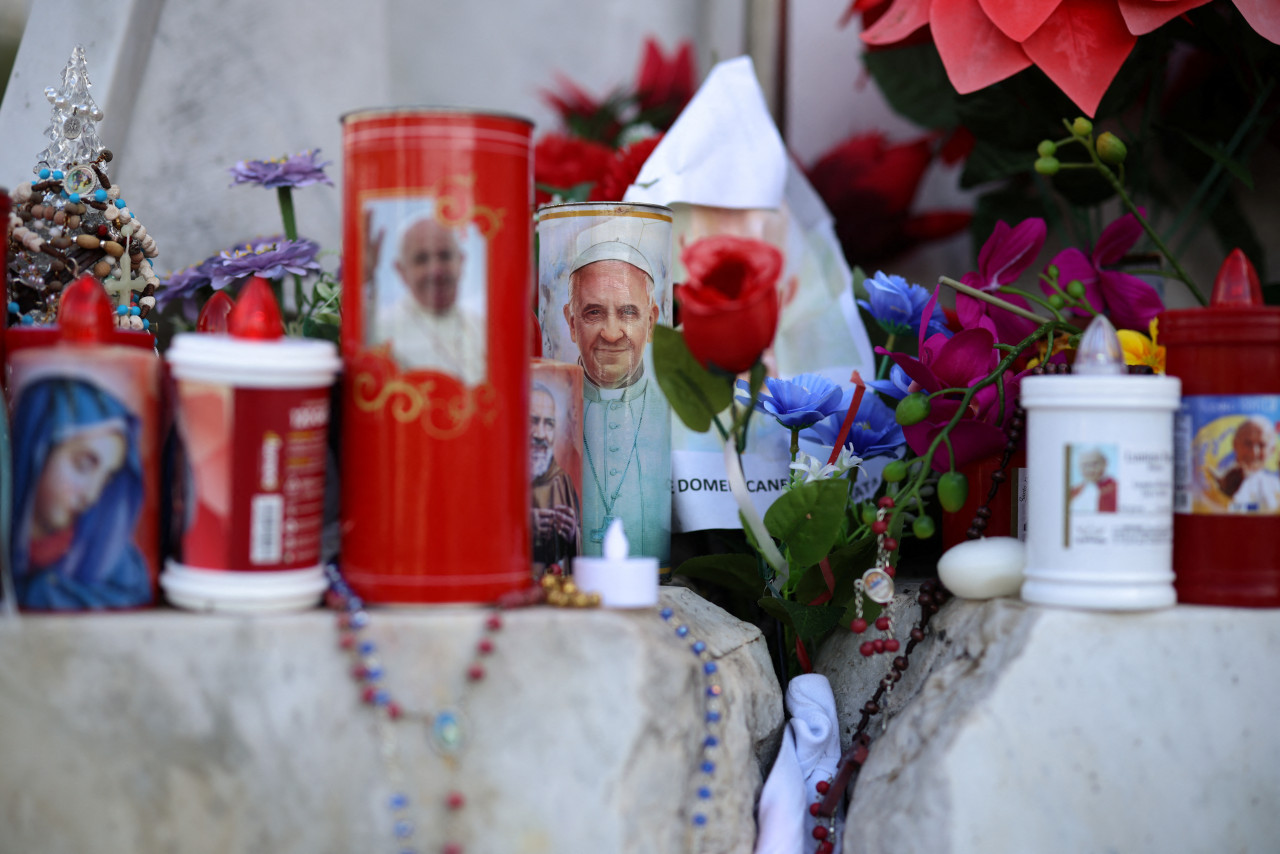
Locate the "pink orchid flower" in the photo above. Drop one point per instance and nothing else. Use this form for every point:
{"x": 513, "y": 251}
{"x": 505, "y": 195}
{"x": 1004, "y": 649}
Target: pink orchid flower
{"x": 1130, "y": 302}
{"x": 1003, "y": 258}
{"x": 961, "y": 361}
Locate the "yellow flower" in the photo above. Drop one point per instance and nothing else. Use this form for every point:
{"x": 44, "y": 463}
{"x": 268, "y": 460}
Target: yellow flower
{"x": 1141, "y": 350}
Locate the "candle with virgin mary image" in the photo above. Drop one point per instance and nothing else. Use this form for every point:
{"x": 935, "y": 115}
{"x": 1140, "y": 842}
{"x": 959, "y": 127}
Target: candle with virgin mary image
{"x": 603, "y": 284}
{"x": 85, "y": 488}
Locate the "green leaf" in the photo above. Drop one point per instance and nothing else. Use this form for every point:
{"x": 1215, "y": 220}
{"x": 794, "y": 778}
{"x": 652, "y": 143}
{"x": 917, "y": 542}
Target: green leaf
{"x": 810, "y": 622}
{"x": 808, "y": 519}
{"x": 696, "y": 394}
{"x": 848, "y": 564}
{"x": 991, "y": 162}
{"x": 737, "y": 573}
{"x": 914, "y": 82}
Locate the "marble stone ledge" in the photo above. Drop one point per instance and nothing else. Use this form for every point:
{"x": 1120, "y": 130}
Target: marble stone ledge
{"x": 163, "y": 731}
{"x": 1022, "y": 728}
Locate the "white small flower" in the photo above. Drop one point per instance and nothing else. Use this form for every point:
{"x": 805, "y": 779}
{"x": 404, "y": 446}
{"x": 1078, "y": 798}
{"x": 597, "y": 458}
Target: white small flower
{"x": 812, "y": 468}
{"x": 847, "y": 460}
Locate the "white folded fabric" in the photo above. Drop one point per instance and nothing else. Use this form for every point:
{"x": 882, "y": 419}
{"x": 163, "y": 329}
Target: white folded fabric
{"x": 809, "y": 753}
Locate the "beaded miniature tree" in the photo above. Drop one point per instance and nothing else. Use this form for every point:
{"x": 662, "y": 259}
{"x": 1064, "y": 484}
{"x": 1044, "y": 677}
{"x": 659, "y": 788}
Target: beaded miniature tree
{"x": 72, "y": 220}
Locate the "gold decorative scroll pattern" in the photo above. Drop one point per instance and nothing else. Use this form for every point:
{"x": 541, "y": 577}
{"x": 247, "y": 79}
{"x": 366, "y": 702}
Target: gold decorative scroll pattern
{"x": 456, "y": 205}
{"x": 442, "y": 416}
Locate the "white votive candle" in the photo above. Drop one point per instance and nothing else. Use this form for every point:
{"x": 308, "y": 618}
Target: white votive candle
{"x": 621, "y": 580}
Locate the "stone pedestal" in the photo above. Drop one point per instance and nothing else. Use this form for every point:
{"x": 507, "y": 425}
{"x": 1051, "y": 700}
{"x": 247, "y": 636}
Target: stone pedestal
{"x": 1022, "y": 729}
{"x": 171, "y": 732}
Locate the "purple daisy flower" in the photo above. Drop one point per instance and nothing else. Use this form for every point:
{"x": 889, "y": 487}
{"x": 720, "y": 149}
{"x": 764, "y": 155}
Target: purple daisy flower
{"x": 298, "y": 170}
{"x": 184, "y": 285}
{"x": 270, "y": 258}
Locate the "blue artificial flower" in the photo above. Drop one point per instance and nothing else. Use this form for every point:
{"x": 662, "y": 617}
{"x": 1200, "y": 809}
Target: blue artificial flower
{"x": 798, "y": 402}
{"x": 899, "y": 306}
{"x": 897, "y": 386}
{"x": 874, "y": 432}
{"x": 298, "y": 170}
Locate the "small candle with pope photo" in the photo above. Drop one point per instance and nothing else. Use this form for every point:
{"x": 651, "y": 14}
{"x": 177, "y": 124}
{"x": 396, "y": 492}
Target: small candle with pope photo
{"x": 623, "y": 581}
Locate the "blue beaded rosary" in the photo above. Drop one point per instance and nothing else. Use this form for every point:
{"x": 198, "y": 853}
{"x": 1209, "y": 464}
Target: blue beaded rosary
{"x": 447, "y": 732}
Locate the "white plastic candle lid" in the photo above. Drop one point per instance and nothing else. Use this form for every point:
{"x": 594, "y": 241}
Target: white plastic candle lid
{"x": 621, "y": 581}
{"x": 239, "y": 592}
{"x": 246, "y": 363}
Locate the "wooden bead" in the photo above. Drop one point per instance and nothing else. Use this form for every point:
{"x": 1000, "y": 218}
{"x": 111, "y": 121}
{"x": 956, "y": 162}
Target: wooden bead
{"x": 88, "y": 241}
{"x": 115, "y": 250}
{"x": 101, "y": 269}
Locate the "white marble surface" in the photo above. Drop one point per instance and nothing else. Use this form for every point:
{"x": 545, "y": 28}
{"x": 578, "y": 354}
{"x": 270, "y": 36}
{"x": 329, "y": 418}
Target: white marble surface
{"x": 171, "y": 732}
{"x": 1031, "y": 729}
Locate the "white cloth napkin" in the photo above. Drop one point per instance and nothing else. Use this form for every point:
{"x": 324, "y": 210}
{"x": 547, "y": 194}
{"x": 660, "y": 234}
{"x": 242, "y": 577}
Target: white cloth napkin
{"x": 809, "y": 753}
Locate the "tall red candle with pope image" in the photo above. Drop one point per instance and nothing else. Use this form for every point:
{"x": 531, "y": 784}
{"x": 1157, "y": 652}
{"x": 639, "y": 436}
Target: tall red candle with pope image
{"x": 436, "y": 344}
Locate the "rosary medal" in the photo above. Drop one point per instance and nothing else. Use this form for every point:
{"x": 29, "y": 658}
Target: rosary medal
{"x": 878, "y": 584}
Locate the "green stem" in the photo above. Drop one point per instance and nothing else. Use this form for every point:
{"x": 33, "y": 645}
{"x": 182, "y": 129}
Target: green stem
{"x": 993, "y": 300}
{"x": 918, "y": 480}
{"x": 284, "y": 195}
{"x": 1040, "y": 301}
{"x": 883, "y": 370}
{"x": 795, "y": 443}
{"x": 1110, "y": 178}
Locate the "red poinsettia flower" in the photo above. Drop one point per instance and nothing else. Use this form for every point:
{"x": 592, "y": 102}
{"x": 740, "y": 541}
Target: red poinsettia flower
{"x": 621, "y": 171}
{"x": 729, "y": 300}
{"x": 664, "y": 86}
{"x": 565, "y": 162}
{"x": 868, "y": 185}
{"x": 1079, "y": 44}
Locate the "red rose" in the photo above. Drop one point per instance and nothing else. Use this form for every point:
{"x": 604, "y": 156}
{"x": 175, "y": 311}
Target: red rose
{"x": 729, "y": 300}
{"x": 564, "y": 162}
{"x": 664, "y": 86}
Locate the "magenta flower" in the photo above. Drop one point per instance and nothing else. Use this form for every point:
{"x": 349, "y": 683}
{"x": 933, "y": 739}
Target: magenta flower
{"x": 961, "y": 361}
{"x": 299, "y": 170}
{"x": 1130, "y": 302}
{"x": 1003, "y": 258}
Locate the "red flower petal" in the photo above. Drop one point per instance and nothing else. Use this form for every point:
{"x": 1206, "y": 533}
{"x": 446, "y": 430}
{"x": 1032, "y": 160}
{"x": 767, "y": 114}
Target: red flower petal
{"x": 622, "y": 170}
{"x": 1019, "y": 19}
{"x": 935, "y": 225}
{"x": 1081, "y": 47}
{"x": 965, "y": 359}
{"x": 1143, "y": 16}
{"x": 902, "y": 19}
{"x": 1263, "y": 16}
{"x": 973, "y": 50}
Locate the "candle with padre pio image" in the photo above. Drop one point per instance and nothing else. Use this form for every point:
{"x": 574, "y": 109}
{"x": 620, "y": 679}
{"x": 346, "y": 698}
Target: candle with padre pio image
{"x": 85, "y": 512}
{"x": 603, "y": 284}
{"x": 555, "y": 464}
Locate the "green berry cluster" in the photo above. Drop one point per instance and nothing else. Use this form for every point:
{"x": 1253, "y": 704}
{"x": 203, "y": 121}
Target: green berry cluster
{"x": 1106, "y": 150}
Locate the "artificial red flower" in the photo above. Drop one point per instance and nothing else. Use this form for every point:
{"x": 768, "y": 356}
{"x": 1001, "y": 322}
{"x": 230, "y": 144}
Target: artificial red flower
{"x": 664, "y": 86}
{"x": 583, "y": 115}
{"x": 1079, "y": 44}
{"x": 729, "y": 300}
{"x": 621, "y": 171}
{"x": 565, "y": 162}
{"x": 868, "y": 185}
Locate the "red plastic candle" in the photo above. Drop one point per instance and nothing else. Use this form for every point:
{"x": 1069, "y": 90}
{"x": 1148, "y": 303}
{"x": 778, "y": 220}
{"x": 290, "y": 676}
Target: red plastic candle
{"x": 1227, "y": 500}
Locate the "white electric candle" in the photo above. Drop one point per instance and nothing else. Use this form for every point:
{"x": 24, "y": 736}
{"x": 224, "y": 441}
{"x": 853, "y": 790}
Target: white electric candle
{"x": 621, "y": 580}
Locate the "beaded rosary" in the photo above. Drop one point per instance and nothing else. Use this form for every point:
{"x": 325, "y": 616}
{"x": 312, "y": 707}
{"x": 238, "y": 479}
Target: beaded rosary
{"x": 446, "y": 726}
